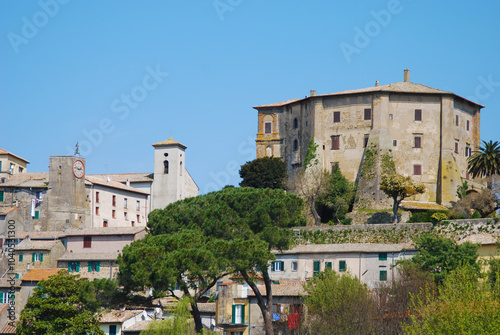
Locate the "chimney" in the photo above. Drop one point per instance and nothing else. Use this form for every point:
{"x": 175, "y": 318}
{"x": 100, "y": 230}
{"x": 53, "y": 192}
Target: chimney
{"x": 407, "y": 76}
{"x": 376, "y": 83}
{"x": 313, "y": 92}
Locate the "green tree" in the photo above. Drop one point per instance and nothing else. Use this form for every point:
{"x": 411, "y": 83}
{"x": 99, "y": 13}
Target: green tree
{"x": 464, "y": 306}
{"x": 399, "y": 188}
{"x": 486, "y": 161}
{"x": 179, "y": 324}
{"x": 439, "y": 255}
{"x": 337, "y": 197}
{"x": 56, "y": 308}
{"x": 338, "y": 303}
{"x": 266, "y": 172}
{"x": 101, "y": 294}
{"x": 251, "y": 222}
{"x": 186, "y": 259}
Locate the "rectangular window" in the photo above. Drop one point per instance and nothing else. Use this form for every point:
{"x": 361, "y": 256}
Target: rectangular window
{"x": 37, "y": 257}
{"x": 124, "y": 202}
{"x": 73, "y": 266}
{"x": 328, "y": 265}
{"x": 368, "y": 114}
{"x": 365, "y": 143}
{"x": 138, "y": 218}
{"x": 456, "y": 147}
{"x": 342, "y": 266}
{"x": 316, "y": 267}
{"x": 267, "y": 127}
{"x": 112, "y": 329}
{"x": 294, "y": 266}
{"x": 37, "y": 215}
{"x": 418, "y": 115}
{"x": 390, "y": 116}
{"x": 457, "y": 120}
{"x": 417, "y": 169}
{"x": 467, "y": 176}
{"x": 335, "y": 142}
{"x": 382, "y": 256}
{"x": 113, "y": 214}
{"x": 97, "y": 211}
{"x": 418, "y": 141}
{"x": 336, "y": 117}
{"x": 467, "y": 125}
{"x": 394, "y": 143}
{"x": 138, "y": 205}
{"x": 21, "y": 257}
{"x": 114, "y": 200}
{"x": 2, "y": 196}
{"x": 383, "y": 275}
{"x": 238, "y": 314}
{"x": 87, "y": 241}
{"x": 97, "y": 197}
{"x": 94, "y": 266}
{"x": 4, "y": 297}
{"x": 105, "y": 223}
{"x": 467, "y": 150}
{"x": 125, "y": 215}
{"x": 277, "y": 266}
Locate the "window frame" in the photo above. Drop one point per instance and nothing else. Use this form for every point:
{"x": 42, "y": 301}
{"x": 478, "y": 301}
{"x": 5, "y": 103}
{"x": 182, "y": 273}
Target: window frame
{"x": 336, "y": 117}
{"x": 278, "y": 266}
{"x": 316, "y": 267}
{"x": 418, "y": 115}
{"x": 382, "y": 256}
{"x": 417, "y": 169}
{"x": 238, "y": 309}
{"x": 295, "y": 266}
{"x": 382, "y": 275}
{"x": 87, "y": 242}
{"x": 268, "y": 127}
{"x": 367, "y": 114}
{"x": 342, "y": 266}
{"x": 335, "y": 142}
{"x": 417, "y": 141}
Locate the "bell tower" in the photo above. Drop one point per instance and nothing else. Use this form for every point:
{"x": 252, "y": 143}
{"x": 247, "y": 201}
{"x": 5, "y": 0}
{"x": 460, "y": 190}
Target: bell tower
{"x": 169, "y": 173}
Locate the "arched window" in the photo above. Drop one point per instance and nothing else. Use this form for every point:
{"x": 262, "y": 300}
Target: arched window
{"x": 269, "y": 151}
{"x": 180, "y": 169}
{"x": 165, "y": 167}
{"x": 295, "y": 145}
{"x": 295, "y": 123}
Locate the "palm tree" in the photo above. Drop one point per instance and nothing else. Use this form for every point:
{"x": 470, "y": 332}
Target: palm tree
{"x": 486, "y": 161}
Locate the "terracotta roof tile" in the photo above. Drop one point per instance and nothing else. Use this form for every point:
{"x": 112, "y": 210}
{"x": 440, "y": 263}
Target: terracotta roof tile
{"x": 40, "y": 235}
{"x": 124, "y": 177}
{"x": 139, "y": 326}
{"x": 104, "y": 231}
{"x": 89, "y": 256}
{"x": 113, "y": 184}
{"x": 346, "y": 247}
{"x": 7, "y": 210}
{"x": 8, "y": 329}
{"x": 117, "y": 316}
{"x": 37, "y": 245}
{"x": 169, "y": 142}
{"x": 27, "y": 179}
{"x": 278, "y": 104}
{"x": 39, "y": 274}
{"x": 5, "y": 152}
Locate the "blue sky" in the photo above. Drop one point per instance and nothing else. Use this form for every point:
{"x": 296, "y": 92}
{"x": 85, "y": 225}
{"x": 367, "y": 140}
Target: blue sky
{"x": 118, "y": 76}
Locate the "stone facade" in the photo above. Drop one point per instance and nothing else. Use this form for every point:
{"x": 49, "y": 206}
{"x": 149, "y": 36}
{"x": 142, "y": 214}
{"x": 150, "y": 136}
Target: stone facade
{"x": 429, "y": 133}
{"x": 43, "y": 254}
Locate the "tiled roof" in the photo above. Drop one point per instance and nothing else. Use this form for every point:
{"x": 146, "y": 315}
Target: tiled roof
{"x": 481, "y": 238}
{"x": 39, "y": 274}
{"x": 401, "y": 87}
{"x": 117, "y": 316}
{"x": 421, "y": 205}
{"x": 347, "y": 247}
{"x": 89, "y": 256}
{"x": 287, "y": 288}
{"x": 124, "y": 177}
{"x": 169, "y": 142}
{"x": 206, "y": 307}
{"x": 40, "y": 235}
{"x": 104, "y": 231}
{"x": 113, "y": 184}
{"x": 5, "y": 152}
{"x": 8, "y": 329}
{"x": 7, "y": 210}
{"x": 139, "y": 326}
{"x": 36, "y": 245}
{"x": 27, "y": 179}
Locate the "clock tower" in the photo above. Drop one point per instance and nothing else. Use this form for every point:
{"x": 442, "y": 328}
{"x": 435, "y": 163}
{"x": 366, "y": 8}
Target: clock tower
{"x": 67, "y": 196}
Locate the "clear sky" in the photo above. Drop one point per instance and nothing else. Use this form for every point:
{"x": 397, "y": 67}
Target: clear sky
{"x": 118, "y": 76}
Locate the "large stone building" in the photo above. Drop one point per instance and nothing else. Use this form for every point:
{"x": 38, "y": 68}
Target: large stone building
{"x": 429, "y": 133}
{"x": 66, "y": 197}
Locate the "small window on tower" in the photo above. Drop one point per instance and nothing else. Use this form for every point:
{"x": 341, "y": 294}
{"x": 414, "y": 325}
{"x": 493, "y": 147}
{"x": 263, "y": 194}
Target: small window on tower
{"x": 165, "y": 167}
{"x": 418, "y": 141}
{"x": 368, "y": 114}
{"x": 295, "y": 145}
{"x": 418, "y": 115}
{"x": 267, "y": 127}
{"x": 417, "y": 169}
{"x": 336, "y": 117}
{"x": 295, "y": 123}
{"x": 335, "y": 142}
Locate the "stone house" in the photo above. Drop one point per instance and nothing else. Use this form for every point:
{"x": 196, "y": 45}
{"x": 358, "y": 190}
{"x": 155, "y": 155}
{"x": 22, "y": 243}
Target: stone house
{"x": 373, "y": 264}
{"x": 90, "y": 265}
{"x": 231, "y": 311}
{"x": 115, "y": 322}
{"x": 37, "y": 254}
{"x": 98, "y": 240}
{"x": 11, "y": 164}
{"x": 430, "y": 133}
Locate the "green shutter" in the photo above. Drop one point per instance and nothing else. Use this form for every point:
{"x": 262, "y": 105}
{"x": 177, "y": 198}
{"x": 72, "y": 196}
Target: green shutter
{"x": 17, "y": 275}
{"x": 233, "y": 315}
{"x": 242, "y": 314}
{"x": 316, "y": 267}
{"x": 282, "y": 267}
{"x": 383, "y": 275}
{"x": 382, "y": 256}
{"x": 20, "y": 257}
{"x": 90, "y": 266}
{"x": 272, "y": 268}
{"x": 69, "y": 266}
{"x": 41, "y": 257}
{"x": 98, "y": 266}
{"x": 37, "y": 215}
{"x": 328, "y": 265}
{"x": 1, "y": 196}
{"x": 33, "y": 257}
{"x": 342, "y": 266}
{"x": 77, "y": 266}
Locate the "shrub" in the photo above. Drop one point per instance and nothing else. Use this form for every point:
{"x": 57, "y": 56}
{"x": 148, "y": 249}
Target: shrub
{"x": 476, "y": 215}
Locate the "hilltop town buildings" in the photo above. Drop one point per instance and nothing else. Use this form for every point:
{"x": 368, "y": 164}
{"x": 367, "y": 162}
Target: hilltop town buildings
{"x": 430, "y": 134}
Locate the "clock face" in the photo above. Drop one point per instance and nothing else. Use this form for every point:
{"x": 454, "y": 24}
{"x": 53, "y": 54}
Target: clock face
{"x": 78, "y": 169}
